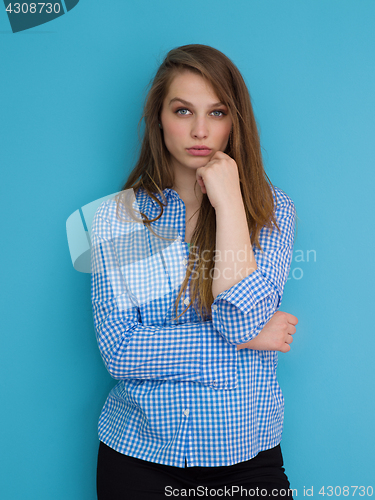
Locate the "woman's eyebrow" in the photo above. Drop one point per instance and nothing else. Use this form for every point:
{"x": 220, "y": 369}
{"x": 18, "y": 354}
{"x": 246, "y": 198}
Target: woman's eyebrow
{"x": 187, "y": 103}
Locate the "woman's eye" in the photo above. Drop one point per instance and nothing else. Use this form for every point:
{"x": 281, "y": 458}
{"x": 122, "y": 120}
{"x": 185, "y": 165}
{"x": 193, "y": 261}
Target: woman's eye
{"x": 218, "y": 113}
{"x": 182, "y": 111}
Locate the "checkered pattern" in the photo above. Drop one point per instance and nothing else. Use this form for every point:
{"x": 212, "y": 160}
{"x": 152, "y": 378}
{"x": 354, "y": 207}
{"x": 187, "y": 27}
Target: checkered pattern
{"x": 184, "y": 390}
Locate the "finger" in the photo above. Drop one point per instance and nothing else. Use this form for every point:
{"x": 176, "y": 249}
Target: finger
{"x": 287, "y": 316}
{"x": 220, "y": 154}
{"x": 289, "y": 339}
{"x": 201, "y": 182}
{"x": 292, "y": 319}
{"x": 292, "y": 330}
{"x": 285, "y": 348}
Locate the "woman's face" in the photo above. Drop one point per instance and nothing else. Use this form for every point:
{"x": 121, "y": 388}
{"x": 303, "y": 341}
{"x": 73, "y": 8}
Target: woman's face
{"x": 195, "y": 123}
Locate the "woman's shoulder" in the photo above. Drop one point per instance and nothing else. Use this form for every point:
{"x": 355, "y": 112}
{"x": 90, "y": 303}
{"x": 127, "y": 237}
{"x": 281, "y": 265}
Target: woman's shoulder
{"x": 124, "y": 206}
{"x": 282, "y": 200}
{"x": 107, "y": 209}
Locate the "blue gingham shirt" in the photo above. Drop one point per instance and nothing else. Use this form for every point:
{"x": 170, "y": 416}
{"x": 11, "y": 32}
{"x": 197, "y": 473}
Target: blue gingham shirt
{"x": 184, "y": 390}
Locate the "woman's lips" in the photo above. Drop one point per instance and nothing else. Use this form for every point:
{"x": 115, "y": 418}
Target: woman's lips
{"x": 199, "y": 151}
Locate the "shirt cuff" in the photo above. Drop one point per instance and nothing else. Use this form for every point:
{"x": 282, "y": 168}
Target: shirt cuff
{"x": 219, "y": 360}
{"x": 246, "y": 293}
{"x": 240, "y": 312}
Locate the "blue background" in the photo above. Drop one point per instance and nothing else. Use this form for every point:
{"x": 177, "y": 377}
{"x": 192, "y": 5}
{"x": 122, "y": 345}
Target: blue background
{"x": 71, "y": 93}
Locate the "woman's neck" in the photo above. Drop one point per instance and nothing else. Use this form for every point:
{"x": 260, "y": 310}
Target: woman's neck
{"x": 189, "y": 192}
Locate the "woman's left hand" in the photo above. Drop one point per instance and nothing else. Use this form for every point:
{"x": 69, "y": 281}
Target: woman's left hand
{"x": 219, "y": 178}
{"x": 276, "y": 335}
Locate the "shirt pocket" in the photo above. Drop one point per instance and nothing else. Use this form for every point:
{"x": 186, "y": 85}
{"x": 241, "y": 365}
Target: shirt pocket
{"x": 156, "y": 277}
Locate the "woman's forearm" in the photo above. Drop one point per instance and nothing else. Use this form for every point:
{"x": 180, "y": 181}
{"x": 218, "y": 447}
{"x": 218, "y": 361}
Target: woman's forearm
{"x": 234, "y": 257}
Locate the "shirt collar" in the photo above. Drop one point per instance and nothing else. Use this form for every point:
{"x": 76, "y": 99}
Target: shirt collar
{"x": 169, "y": 193}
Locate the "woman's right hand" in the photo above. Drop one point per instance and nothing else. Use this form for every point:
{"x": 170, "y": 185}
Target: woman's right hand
{"x": 276, "y": 334}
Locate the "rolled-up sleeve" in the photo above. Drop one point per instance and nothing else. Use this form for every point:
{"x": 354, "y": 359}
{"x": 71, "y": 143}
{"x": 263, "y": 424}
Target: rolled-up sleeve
{"x": 241, "y": 312}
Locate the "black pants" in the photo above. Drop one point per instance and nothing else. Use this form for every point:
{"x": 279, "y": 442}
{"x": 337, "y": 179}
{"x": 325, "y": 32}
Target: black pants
{"x": 120, "y": 477}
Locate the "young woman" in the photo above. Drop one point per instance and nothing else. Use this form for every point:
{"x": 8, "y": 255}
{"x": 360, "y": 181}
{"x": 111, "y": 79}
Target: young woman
{"x": 185, "y": 298}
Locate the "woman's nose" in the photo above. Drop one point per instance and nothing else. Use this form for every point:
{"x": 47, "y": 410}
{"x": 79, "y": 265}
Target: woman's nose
{"x": 199, "y": 129}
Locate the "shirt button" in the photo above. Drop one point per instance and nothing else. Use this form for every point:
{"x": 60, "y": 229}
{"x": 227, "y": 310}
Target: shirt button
{"x": 184, "y": 262}
{"x": 186, "y": 301}
{"x": 186, "y": 412}
{"x": 214, "y": 307}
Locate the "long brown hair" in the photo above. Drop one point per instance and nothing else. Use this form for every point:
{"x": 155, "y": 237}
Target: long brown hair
{"x": 153, "y": 171}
